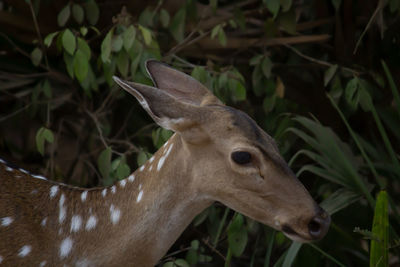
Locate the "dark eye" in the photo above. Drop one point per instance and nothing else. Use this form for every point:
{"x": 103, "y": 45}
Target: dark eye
{"x": 241, "y": 157}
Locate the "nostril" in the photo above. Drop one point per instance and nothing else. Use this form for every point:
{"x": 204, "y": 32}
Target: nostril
{"x": 319, "y": 225}
{"x": 314, "y": 227}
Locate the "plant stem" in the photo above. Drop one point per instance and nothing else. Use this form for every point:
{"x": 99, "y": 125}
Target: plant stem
{"x": 221, "y": 225}
{"x": 326, "y": 255}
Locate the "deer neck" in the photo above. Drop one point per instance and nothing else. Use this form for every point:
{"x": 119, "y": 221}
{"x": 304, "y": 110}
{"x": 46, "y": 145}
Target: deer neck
{"x": 162, "y": 203}
{"x": 131, "y": 223}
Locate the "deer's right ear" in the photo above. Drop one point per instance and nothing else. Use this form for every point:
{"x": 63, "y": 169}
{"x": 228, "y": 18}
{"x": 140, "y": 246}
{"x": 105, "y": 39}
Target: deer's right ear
{"x": 179, "y": 84}
{"x": 167, "y": 111}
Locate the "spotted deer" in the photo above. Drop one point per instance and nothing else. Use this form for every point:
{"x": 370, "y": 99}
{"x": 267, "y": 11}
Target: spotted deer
{"x": 217, "y": 153}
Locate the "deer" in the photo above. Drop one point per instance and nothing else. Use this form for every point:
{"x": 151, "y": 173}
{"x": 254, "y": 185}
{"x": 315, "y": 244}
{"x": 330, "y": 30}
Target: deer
{"x": 217, "y": 153}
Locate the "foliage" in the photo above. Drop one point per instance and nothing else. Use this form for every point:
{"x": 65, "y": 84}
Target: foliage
{"x": 61, "y": 112}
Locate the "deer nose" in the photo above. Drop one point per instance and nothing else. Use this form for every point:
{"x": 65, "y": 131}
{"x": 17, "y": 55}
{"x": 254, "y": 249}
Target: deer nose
{"x": 319, "y": 224}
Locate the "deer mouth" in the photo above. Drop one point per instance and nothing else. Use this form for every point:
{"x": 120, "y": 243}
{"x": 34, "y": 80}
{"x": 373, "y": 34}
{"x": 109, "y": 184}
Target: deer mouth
{"x": 296, "y": 236}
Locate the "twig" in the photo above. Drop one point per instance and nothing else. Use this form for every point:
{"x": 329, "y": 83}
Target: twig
{"x": 39, "y": 34}
{"x": 321, "y": 62}
{"x": 379, "y": 7}
{"x": 96, "y": 122}
{"x": 207, "y": 243}
{"x": 14, "y": 113}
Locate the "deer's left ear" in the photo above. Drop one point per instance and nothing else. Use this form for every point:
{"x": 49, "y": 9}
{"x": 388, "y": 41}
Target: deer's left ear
{"x": 169, "y": 112}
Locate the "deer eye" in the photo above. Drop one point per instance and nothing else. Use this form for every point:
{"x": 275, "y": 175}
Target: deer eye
{"x": 241, "y": 157}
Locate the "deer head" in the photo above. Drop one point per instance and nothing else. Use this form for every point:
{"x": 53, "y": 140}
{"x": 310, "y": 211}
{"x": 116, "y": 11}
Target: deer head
{"x": 230, "y": 159}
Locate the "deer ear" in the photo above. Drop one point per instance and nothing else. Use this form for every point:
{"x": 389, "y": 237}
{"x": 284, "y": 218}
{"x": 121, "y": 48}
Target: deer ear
{"x": 167, "y": 111}
{"x": 180, "y": 85}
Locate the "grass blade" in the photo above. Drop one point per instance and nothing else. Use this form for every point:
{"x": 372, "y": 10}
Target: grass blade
{"x": 291, "y": 254}
{"x": 380, "y": 229}
{"x": 392, "y": 85}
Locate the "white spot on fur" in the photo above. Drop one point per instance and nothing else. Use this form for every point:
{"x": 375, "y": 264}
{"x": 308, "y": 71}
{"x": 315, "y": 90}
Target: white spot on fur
{"x": 91, "y": 223}
{"x": 122, "y": 183}
{"x": 43, "y": 263}
{"x": 113, "y": 189}
{"x": 24, "y": 171}
{"x": 151, "y": 159}
{"x": 1, "y": 258}
{"x": 9, "y": 169}
{"x": 151, "y": 167}
{"x": 84, "y": 196}
{"x": 39, "y": 177}
{"x": 164, "y": 157}
{"x": 2, "y": 161}
{"x": 44, "y": 221}
{"x": 76, "y": 222}
{"x": 63, "y": 210}
{"x": 141, "y": 168}
{"x": 65, "y": 247}
{"x": 104, "y": 192}
{"x": 53, "y": 191}
{"x": 115, "y": 214}
{"x": 139, "y": 197}
{"x": 25, "y": 250}
{"x": 6, "y": 221}
{"x": 140, "y": 186}
{"x": 131, "y": 178}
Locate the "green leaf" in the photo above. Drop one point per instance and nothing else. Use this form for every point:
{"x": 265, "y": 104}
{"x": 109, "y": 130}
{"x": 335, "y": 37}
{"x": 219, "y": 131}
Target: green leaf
{"x": 164, "y": 18}
{"x": 69, "y": 64}
{"x": 215, "y": 30}
{"x": 181, "y": 263}
{"x": 266, "y": 67}
{"x": 123, "y": 171}
{"x": 117, "y": 43}
{"x": 222, "y": 37}
{"x": 365, "y": 100}
{"x": 287, "y": 21}
{"x": 237, "y": 90}
{"x": 129, "y": 37}
{"x": 64, "y": 15}
{"x": 255, "y": 60}
{"x": 78, "y": 13}
{"x": 286, "y": 5}
{"x": 123, "y": 63}
{"x": 273, "y": 6}
{"x": 83, "y": 31}
{"x": 81, "y": 65}
{"x": 46, "y": 88}
{"x": 104, "y": 164}
{"x": 177, "y": 27}
{"x": 69, "y": 41}
{"x": 380, "y": 228}
{"x": 142, "y": 158}
{"x": 92, "y": 12}
{"x": 106, "y": 47}
{"x": 237, "y": 241}
{"x": 146, "y": 33}
{"x": 42, "y": 135}
{"x": 49, "y": 38}
{"x": 236, "y": 224}
{"x": 84, "y": 47}
{"x": 329, "y": 73}
{"x": 351, "y": 93}
{"x": 36, "y": 56}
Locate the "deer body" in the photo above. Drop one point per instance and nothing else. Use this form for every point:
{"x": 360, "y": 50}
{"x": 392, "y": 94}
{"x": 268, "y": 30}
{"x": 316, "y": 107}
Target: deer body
{"x": 217, "y": 154}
